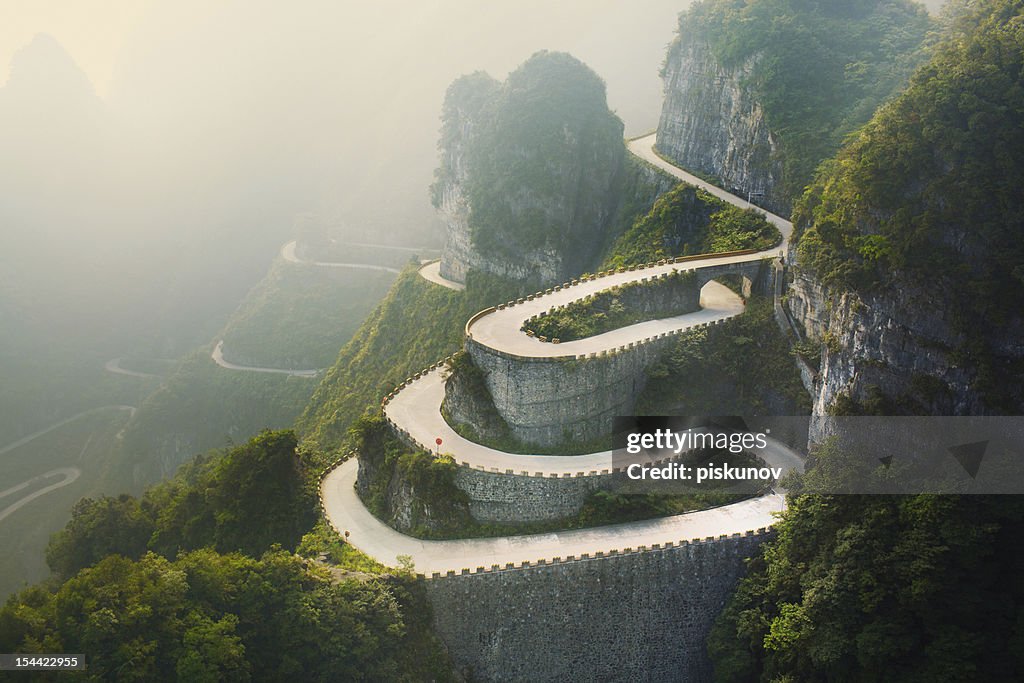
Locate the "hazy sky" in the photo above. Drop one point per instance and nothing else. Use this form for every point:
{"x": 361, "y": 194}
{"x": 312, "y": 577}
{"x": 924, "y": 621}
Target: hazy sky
{"x": 92, "y": 31}
{"x": 218, "y": 121}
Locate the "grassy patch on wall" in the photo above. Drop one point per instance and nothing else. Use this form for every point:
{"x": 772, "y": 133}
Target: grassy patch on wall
{"x": 742, "y": 367}
{"x": 617, "y": 307}
{"x": 688, "y": 220}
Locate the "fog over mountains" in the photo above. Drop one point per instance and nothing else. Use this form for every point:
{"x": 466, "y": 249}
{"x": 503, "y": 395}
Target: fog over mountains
{"x": 164, "y": 201}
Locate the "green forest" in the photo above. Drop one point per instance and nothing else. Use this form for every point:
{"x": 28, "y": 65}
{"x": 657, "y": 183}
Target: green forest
{"x": 198, "y": 580}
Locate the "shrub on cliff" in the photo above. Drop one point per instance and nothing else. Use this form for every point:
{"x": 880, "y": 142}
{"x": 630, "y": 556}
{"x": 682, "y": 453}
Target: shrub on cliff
{"x": 688, "y": 220}
{"x": 873, "y": 588}
{"x": 247, "y": 499}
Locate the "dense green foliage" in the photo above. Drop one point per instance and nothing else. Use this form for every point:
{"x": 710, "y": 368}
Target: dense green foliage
{"x": 931, "y": 186}
{"x": 433, "y": 505}
{"x": 298, "y": 317}
{"x": 417, "y": 323}
{"x": 157, "y": 588}
{"x": 742, "y": 367}
{"x": 464, "y": 101}
{"x": 614, "y": 308}
{"x": 687, "y": 220}
{"x": 212, "y": 617}
{"x": 879, "y": 588}
{"x": 924, "y": 587}
{"x": 925, "y": 201}
{"x": 246, "y": 499}
{"x": 821, "y": 67}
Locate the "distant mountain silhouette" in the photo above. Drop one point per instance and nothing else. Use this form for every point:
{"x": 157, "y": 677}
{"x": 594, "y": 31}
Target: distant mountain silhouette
{"x": 54, "y": 144}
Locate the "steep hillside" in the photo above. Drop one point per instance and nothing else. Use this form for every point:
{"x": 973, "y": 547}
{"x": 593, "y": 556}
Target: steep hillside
{"x": 191, "y": 583}
{"x": 758, "y": 93}
{"x": 909, "y": 273}
{"x": 910, "y": 262}
{"x": 416, "y": 324}
{"x": 298, "y": 316}
{"x": 202, "y": 406}
{"x": 688, "y": 220}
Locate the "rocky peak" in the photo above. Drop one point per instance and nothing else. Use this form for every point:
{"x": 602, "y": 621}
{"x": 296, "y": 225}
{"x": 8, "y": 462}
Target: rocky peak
{"x": 528, "y": 171}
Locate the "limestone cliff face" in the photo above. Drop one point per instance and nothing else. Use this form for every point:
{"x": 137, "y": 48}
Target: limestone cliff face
{"x": 529, "y": 170}
{"x": 463, "y": 102}
{"x": 405, "y": 504}
{"x": 898, "y": 351}
{"x": 543, "y": 266}
{"x": 711, "y": 123}
{"x": 467, "y": 402}
{"x": 910, "y": 266}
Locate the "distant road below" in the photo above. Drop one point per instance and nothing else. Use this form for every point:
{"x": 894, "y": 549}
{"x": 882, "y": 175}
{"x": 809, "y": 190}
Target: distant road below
{"x": 68, "y": 475}
{"x": 218, "y": 358}
{"x": 57, "y": 425}
{"x": 288, "y": 254}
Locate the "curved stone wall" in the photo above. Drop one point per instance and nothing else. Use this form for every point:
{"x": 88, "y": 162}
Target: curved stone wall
{"x": 548, "y": 401}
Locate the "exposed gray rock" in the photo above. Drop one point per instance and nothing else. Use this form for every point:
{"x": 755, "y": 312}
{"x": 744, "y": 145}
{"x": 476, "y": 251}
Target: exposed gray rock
{"x": 530, "y": 171}
{"x": 900, "y": 344}
{"x": 711, "y": 123}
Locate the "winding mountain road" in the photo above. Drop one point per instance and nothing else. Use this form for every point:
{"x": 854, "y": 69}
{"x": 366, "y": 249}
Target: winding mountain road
{"x": 431, "y": 271}
{"x": 218, "y": 357}
{"x": 68, "y": 474}
{"x": 289, "y": 255}
{"x": 415, "y": 410}
{"x": 57, "y": 425}
{"x": 376, "y": 539}
{"x": 643, "y": 148}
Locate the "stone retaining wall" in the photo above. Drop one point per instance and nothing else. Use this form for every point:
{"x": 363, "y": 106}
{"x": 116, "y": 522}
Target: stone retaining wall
{"x": 550, "y": 401}
{"x": 638, "y": 615}
{"x": 518, "y": 498}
